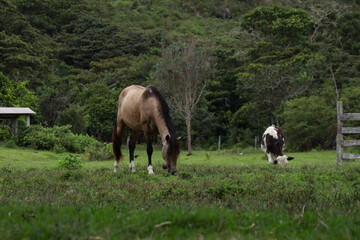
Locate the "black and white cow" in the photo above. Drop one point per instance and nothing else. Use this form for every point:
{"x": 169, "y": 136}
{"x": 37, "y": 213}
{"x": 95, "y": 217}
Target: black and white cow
{"x": 273, "y": 143}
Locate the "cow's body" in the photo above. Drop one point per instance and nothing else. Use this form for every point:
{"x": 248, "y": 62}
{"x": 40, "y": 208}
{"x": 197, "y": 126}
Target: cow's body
{"x": 273, "y": 143}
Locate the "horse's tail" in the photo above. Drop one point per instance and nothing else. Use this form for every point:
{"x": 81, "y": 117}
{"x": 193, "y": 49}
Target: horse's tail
{"x": 116, "y": 139}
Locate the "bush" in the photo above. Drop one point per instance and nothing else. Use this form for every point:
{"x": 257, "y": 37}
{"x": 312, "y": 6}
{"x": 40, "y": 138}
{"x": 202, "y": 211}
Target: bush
{"x": 10, "y": 143}
{"x": 70, "y": 162}
{"x": 58, "y": 138}
{"x": 58, "y": 148}
{"x": 98, "y": 152}
{"x": 4, "y": 132}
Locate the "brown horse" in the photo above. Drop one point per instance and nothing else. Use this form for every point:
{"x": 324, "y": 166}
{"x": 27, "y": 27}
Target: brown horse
{"x": 145, "y": 110}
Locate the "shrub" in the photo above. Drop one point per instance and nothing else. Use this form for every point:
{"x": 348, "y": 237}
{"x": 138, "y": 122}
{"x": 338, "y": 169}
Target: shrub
{"x": 58, "y": 148}
{"x": 10, "y": 143}
{"x": 98, "y": 152}
{"x": 4, "y": 132}
{"x": 38, "y": 137}
{"x": 70, "y": 162}
{"x": 55, "y": 139}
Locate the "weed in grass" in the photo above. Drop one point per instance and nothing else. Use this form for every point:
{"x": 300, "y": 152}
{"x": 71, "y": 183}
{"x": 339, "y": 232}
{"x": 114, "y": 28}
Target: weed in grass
{"x": 7, "y": 169}
{"x": 70, "y": 162}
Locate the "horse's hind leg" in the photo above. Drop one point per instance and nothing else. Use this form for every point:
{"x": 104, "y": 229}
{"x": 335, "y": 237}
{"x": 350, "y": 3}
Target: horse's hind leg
{"x": 117, "y": 138}
{"x": 133, "y": 139}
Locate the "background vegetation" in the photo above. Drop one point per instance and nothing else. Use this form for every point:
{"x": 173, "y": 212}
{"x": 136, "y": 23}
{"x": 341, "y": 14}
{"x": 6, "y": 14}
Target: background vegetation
{"x": 282, "y": 62}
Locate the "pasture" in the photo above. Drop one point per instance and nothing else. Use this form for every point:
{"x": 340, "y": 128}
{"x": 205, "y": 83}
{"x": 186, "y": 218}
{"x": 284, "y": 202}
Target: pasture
{"x": 226, "y": 196}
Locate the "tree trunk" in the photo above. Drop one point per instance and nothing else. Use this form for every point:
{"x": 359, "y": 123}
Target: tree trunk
{"x": 188, "y": 130}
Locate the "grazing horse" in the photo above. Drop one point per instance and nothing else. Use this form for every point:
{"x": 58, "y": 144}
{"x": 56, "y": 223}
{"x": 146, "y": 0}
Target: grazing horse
{"x": 143, "y": 109}
{"x": 273, "y": 143}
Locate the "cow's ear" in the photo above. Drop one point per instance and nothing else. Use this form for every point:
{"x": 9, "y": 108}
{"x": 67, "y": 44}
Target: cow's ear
{"x": 290, "y": 158}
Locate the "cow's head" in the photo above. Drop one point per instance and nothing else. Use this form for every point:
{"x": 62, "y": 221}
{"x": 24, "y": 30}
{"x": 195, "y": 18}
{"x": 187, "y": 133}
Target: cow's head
{"x": 283, "y": 160}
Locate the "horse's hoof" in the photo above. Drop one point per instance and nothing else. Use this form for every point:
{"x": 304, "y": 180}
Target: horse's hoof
{"x": 150, "y": 170}
{"x": 164, "y": 166}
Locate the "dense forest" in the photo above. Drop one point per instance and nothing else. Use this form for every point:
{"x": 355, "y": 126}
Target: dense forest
{"x": 257, "y": 62}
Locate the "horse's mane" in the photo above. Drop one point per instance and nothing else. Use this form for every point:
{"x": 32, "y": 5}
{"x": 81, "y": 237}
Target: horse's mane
{"x": 173, "y": 142}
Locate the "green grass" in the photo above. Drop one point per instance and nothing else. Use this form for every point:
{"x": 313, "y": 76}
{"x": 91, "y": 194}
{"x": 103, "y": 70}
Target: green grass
{"x": 15, "y": 157}
{"x": 226, "y": 196}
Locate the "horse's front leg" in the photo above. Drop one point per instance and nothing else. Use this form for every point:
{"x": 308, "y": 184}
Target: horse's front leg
{"x": 133, "y": 139}
{"x": 149, "y": 148}
{"x": 271, "y": 158}
{"x": 149, "y": 152}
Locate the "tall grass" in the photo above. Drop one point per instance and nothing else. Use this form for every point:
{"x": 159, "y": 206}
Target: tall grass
{"x": 212, "y": 196}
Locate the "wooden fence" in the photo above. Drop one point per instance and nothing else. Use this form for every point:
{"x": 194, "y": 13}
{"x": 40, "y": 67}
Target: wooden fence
{"x": 340, "y": 142}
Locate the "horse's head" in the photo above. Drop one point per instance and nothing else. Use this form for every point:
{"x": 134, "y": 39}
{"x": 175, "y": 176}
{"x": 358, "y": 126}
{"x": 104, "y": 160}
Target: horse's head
{"x": 283, "y": 160}
{"x": 170, "y": 153}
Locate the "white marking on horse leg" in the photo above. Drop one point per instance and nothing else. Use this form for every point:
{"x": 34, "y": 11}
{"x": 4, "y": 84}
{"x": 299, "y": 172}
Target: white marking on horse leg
{"x": 270, "y": 157}
{"x": 150, "y": 169}
{"x": 132, "y": 166}
{"x": 116, "y": 166}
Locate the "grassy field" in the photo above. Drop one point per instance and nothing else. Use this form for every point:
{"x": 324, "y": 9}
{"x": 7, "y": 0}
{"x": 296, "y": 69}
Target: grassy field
{"x": 226, "y": 196}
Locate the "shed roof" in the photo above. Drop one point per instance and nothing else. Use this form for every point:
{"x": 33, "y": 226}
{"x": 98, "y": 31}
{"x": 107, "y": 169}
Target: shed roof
{"x": 15, "y": 111}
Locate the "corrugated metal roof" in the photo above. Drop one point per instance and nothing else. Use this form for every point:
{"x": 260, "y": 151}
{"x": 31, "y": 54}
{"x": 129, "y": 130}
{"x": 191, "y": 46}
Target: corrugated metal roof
{"x": 15, "y": 110}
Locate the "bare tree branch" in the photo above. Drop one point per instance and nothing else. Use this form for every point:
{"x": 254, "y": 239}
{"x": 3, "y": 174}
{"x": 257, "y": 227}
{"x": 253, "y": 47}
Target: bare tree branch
{"x": 182, "y": 76}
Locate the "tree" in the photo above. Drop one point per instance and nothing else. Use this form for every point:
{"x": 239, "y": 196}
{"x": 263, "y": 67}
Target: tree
{"x": 271, "y": 85}
{"x": 277, "y": 64}
{"x": 74, "y": 116}
{"x": 183, "y": 74}
{"x": 16, "y": 94}
{"x": 309, "y": 122}
{"x": 284, "y": 26}
{"x": 100, "y": 105}
{"x": 348, "y": 27}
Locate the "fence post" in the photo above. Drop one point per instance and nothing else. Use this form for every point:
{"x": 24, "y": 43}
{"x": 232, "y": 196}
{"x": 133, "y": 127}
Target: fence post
{"x": 339, "y": 136}
{"x": 219, "y": 145}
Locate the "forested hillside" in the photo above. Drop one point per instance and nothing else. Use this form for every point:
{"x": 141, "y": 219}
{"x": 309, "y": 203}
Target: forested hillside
{"x": 271, "y": 61}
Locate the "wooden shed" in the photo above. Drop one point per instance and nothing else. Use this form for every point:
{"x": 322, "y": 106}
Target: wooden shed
{"x": 13, "y": 113}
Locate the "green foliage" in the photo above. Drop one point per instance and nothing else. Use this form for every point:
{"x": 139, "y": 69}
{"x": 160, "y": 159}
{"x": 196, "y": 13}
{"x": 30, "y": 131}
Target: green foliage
{"x": 14, "y": 94}
{"x": 98, "y": 152}
{"x": 70, "y": 162}
{"x": 55, "y": 54}
{"x": 286, "y": 26}
{"x": 10, "y": 143}
{"x": 58, "y": 148}
{"x": 309, "y": 122}
{"x": 348, "y": 28}
{"x": 56, "y": 138}
{"x": 351, "y": 98}
{"x": 6, "y": 91}
{"x": 54, "y": 97}
{"x": 4, "y": 132}
{"x": 74, "y": 116}
{"x": 100, "y": 104}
